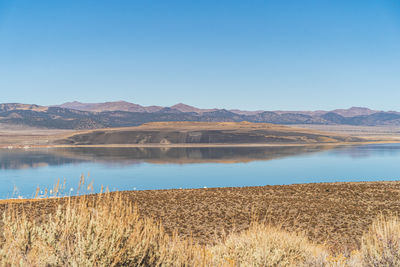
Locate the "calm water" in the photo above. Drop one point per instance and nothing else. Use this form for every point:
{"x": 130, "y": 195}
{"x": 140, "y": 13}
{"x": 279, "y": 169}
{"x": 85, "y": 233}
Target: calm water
{"x": 21, "y": 172}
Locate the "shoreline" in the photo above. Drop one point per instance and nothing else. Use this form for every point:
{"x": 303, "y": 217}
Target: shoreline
{"x": 7, "y": 201}
{"x": 184, "y": 145}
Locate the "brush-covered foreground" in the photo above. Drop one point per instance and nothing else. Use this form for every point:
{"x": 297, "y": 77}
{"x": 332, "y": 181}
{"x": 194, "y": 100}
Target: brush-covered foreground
{"x": 107, "y": 230}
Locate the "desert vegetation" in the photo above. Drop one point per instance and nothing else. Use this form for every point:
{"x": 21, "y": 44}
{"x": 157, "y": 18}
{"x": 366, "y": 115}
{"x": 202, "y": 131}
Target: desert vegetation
{"x": 108, "y": 230}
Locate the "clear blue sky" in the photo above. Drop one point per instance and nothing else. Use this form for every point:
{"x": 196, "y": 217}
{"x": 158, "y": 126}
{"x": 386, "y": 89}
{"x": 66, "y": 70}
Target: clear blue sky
{"x": 228, "y": 54}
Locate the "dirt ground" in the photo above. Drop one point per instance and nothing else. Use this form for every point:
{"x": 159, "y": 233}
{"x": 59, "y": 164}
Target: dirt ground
{"x": 14, "y": 135}
{"x": 336, "y": 214}
{"x": 386, "y": 132}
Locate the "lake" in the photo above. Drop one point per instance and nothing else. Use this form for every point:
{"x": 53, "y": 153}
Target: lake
{"x": 22, "y": 171}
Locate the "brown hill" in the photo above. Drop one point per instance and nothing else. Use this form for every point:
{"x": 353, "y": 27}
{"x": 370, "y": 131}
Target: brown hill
{"x": 186, "y": 108}
{"x": 204, "y": 133}
{"x": 129, "y": 107}
{"x": 355, "y": 111}
{"x": 350, "y": 112}
{"x": 18, "y": 106}
{"x": 109, "y": 106}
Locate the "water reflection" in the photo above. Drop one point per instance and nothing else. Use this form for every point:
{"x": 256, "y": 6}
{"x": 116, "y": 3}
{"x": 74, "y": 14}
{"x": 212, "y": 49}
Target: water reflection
{"x": 367, "y": 151}
{"x": 157, "y": 168}
{"x": 21, "y": 159}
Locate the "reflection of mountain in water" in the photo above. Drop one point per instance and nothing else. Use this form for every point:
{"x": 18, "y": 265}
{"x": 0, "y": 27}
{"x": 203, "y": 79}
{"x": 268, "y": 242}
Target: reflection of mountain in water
{"x": 185, "y": 155}
{"x": 20, "y": 159}
{"x": 367, "y": 151}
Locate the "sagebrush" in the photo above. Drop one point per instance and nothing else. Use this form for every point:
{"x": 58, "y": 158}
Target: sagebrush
{"x": 107, "y": 230}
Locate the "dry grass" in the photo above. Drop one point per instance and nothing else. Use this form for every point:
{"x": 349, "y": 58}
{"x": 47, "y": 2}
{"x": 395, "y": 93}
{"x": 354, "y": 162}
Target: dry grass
{"x": 100, "y": 231}
{"x": 336, "y": 214}
{"x": 381, "y": 244}
{"x": 263, "y": 245}
{"x": 107, "y": 230}
{"x": 168, "y": 227}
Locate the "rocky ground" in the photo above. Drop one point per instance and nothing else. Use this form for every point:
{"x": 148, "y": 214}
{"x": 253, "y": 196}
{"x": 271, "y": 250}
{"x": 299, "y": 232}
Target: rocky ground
{"x": 333, "y": 213}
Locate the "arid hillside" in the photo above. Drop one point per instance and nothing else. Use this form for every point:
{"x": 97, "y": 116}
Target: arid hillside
{"x": 170, "y": 133}
{"x": 85, "y": 116}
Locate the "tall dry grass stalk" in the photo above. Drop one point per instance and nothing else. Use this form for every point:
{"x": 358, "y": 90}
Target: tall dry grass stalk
{"x": 380, "y": 246}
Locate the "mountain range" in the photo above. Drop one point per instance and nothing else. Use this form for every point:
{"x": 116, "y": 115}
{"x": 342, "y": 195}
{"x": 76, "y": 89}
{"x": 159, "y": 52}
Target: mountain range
{"x": 77, "y": 115}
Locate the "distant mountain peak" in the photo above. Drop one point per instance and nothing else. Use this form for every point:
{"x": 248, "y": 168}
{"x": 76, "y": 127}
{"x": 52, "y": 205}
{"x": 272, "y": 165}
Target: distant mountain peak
{"x": 359, "y": 108}
{"x": 78, "y": 115}
{"x": 72, "y": 103}
{"x": 181, "y": 105}
{"x": 106, "y": 106}
{"x": 118, "y": 102}
{"x": 186, "y": 108}
{"x": 355, "y": 111}
{"x": 122, "y": 105}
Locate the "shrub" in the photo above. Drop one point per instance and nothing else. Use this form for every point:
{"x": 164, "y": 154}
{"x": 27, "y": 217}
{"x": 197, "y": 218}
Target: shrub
{"x": 263, "y": 245}
{"x": 86, "y": 231}
{"x": 380, "y": 246}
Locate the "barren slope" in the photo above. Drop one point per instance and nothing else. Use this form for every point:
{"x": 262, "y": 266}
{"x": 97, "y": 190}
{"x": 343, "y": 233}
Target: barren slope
{"x": 170, "y": 133}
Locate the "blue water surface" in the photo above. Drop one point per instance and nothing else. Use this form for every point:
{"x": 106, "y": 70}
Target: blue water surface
{"x": 21, "y": 172}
